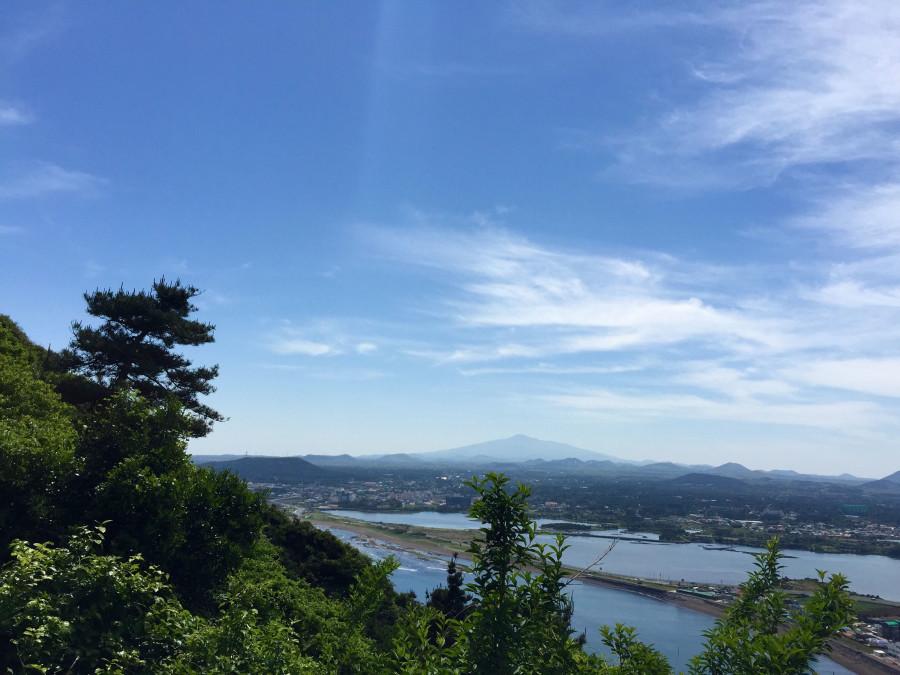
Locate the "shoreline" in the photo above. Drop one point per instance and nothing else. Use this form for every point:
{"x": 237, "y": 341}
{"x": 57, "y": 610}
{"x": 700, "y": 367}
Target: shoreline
{"x": 445, "y": 548}
{"x": 726, "y": 544}
{"x": 445, "y": 543}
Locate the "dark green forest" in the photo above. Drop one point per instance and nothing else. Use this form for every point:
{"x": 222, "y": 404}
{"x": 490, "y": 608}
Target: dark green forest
{"x": 119, "y": 555}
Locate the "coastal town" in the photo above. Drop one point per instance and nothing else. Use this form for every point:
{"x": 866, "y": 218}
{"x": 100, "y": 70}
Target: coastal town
{"x": 872, "y": 643}
{"x": 702, "y": 520}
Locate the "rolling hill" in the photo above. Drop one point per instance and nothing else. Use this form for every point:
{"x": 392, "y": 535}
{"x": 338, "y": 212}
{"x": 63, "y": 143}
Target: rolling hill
{"x": 889, "y": 483}
{"x": 270, "y": 469}
{"x": 705, "y": 481}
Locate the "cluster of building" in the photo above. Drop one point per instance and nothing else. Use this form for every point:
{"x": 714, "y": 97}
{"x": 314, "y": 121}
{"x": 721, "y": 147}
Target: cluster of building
{"x": 881, "y": 634}
{"x": 723, "y": 595}
{"x": 853, "y": 530}
{"x": 445, "y": 493}
{"x": 787, "y": 524}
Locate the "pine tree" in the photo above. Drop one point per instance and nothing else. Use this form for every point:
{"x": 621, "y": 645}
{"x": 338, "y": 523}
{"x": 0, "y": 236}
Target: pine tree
{"x": 134, "y": 347}
{"x": 451, "y": 601}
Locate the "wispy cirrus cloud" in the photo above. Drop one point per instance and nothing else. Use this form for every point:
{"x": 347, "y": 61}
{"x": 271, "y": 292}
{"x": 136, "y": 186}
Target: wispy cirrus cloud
{"x": 736, "y": 383}
{"x": 569, "y": 302}
{"x": 853, "y": 293}
{"x": 862, "y": 223}
{"x": 723, "y": 345}
{"x": 862, "y": 216}
{"x": 804, "y": 83}
{"x": 38, "y": 179}
{"x": 317, "y": 339}
{"x": 551, "y": 369}
{"x": 846, "y": 417}
{"x": 807, "y": 88}
{"x": 879, "y": 376}
{"x": 781, "y": 85}
{"x": 23, "y": 33}
{"x": 365, "y": 348}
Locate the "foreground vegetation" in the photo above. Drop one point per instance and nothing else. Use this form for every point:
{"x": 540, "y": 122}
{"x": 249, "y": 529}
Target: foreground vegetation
{"x": 120, "y": 556}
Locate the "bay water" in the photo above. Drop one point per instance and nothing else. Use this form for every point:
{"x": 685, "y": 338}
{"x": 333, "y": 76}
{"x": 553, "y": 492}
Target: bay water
{"x": 676, "y": 631}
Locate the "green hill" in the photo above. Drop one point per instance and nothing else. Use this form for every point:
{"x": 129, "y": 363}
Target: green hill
{"x": 270, "y": 469}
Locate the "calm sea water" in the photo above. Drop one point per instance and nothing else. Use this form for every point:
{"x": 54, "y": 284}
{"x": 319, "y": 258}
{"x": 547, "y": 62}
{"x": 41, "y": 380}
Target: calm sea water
{"x": 675, "y": 631}
{"x": 869, "y": 574}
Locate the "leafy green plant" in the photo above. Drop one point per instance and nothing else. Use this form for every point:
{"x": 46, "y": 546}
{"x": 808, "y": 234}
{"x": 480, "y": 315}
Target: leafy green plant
{"x": 761, "y": 634}
{"x": 521, "y": 614}
{"x": 426, "y": 643}
{"x": 195, "y": 523}
{"x": 37, "y": 444}
{"x": 519, "y": 617}
{"x": 73, "y": 610}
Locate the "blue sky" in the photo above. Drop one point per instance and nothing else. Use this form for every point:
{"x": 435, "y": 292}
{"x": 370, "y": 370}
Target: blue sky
{"x": 665, "y": 232}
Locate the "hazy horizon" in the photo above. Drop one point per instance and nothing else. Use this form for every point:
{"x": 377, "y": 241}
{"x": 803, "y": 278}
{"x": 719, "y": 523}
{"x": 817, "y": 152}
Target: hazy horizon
{"x": 666, "y": 235}
{"x": 426, "y": 451}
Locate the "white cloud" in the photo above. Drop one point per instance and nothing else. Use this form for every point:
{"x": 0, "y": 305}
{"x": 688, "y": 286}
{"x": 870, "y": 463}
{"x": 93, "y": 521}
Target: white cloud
{"x": 735, "y": 383}
{"x": 298, "y": 346}
{"x": 563, "y": 303}
{"x": 11, "y": 115}
{"x": 38, "y": 179}
{"x": 679, "y": 340}
{"x": 479, "y": 353}
{"x": 879, "y": 376}
{"x": 855, "y": 294}
{"x": 322, "y": 337}
{"x": 861, "y": 216}
{"x": 804, "y": 83}
{"x": 862, "y": 223}
{"x": 211, "y": 298}
{"x": 848, "y": 417}
{"x": 550, "y": 369}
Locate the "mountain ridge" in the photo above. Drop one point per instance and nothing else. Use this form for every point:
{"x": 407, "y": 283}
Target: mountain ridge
{"x": 542, "y": 455}
{"x": 890, "y": 483}
{"x": 519, "y": 448}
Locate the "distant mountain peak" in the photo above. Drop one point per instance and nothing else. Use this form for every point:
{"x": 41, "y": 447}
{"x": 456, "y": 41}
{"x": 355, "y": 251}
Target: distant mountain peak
{"x": 732, "y": 469}
{"x": 399, "y": 457}
{"x": 517, "y": 448}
